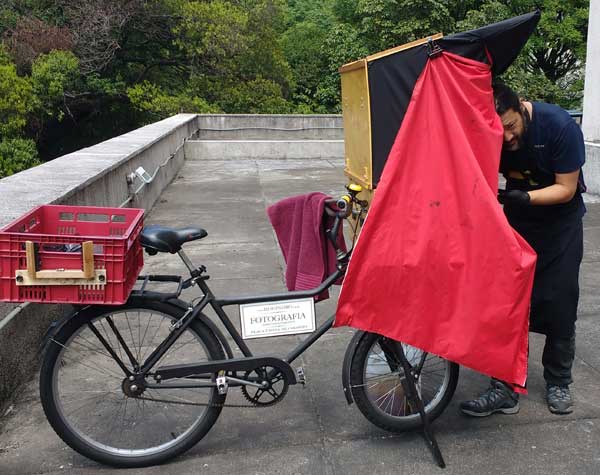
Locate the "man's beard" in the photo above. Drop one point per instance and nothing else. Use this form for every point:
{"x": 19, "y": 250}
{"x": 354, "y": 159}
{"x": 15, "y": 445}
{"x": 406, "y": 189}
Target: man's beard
{"x": 518, "y": 142}
{"x": 514, "y": 145}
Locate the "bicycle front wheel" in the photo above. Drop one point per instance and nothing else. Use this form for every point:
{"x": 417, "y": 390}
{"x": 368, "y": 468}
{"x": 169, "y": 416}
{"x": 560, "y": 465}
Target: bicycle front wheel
{"x": 88, "y": 398}
{"x": 376, "y": 383}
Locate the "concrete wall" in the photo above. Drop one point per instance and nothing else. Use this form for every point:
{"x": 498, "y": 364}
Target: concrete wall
{"x": 263, "y": 149}
{"x": 267, "y": 137}
{"x": 91, "y": 176}
{"x": 271, "y": 127}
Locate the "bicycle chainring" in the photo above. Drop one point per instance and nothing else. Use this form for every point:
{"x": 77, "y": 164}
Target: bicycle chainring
{"x": 275, "y": 388}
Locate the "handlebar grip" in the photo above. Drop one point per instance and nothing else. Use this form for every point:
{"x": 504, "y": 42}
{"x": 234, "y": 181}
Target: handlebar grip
{"x": 343, "y": 202}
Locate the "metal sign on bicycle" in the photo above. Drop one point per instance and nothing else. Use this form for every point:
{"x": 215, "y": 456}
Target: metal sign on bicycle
{"x": 284, "y": 317}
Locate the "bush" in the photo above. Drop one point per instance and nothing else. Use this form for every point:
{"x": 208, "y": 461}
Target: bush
{"x": 17, "y": 155}
{"x": 155, "y": 104}
{"x": 259, "y": 96}
{"x": 16, "y": 98}
{"x": 53, "y": 75}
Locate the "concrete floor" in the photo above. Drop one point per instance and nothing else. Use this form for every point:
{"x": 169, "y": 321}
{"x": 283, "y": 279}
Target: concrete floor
{"x": 314, "y": 431}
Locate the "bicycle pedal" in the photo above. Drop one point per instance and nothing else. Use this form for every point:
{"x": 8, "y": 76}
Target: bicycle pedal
{"x": 222, "y": 385}
{"x": 300, "y": 376}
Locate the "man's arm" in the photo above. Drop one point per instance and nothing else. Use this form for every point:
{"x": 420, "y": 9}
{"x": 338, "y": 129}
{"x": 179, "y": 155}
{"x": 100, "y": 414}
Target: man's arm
{"x": 562, "y": 191}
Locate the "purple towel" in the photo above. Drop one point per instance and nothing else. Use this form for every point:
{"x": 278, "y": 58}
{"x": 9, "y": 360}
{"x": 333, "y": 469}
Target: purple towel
{"x": 309, "y": 256}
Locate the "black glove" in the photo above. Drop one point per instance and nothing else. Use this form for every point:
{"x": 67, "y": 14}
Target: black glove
{"x": 514, "y": 197}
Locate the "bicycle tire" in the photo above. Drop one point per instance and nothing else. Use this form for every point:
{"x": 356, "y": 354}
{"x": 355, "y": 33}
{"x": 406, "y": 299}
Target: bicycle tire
{"x": 74, "y": 365}
{"x": 381, "y": 397}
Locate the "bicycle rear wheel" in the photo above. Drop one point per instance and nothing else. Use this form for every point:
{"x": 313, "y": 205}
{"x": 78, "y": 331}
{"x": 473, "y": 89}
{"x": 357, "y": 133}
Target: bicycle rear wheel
{"x": 88, "y": 399}
{"x": 375, "y": 379}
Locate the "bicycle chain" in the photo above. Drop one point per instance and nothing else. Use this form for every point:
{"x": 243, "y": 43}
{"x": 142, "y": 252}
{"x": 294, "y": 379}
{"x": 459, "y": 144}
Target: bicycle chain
{"x": 205, "y": 404}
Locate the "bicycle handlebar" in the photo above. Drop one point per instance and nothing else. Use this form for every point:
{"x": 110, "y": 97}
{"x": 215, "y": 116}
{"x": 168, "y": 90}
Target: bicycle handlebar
{"x": 339, "y": 209}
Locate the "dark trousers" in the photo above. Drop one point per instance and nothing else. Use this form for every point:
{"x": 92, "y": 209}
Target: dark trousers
{"x": 559, "y": 245}
{"x": 557, "y": 359}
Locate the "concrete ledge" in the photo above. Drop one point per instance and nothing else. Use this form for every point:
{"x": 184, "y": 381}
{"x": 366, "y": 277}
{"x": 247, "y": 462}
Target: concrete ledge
{"x": 591, "y": 169}
{"x": 263, "y": 149}
{"x": 96, "y": 175}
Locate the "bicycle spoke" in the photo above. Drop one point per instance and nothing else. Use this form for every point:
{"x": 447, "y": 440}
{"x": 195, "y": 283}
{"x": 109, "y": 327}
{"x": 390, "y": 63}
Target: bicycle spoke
{"x": 78, "y": 361}
{"x": 151, "y": 345}
{"x": 113, "y": 327}
{"x": 141, "y": 360}
{"x": 109, "y": 339}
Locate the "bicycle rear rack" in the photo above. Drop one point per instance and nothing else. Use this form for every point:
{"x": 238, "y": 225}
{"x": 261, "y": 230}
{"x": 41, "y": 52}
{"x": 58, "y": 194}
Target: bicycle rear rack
{"x": 162, "y": 296}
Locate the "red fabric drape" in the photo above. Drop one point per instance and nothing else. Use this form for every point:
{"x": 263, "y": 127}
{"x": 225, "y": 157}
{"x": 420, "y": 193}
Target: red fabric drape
{"x": 437, "y": 265}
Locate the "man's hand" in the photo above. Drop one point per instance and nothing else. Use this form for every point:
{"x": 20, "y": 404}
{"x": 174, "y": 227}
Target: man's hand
{"x": 514, "y": 197}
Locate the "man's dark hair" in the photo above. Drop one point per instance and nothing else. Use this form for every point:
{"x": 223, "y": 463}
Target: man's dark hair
{"x": 505, "y": 98}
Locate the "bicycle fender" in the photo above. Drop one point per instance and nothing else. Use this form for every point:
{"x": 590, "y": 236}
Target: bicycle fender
{"x": 56, "y": 325}
{"x": 209, "y": 323}
{"x": 348, "y": 358}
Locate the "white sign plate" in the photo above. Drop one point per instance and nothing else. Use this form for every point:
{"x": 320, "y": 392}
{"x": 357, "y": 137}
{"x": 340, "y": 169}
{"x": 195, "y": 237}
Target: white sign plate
{"x": 283, "y": 317}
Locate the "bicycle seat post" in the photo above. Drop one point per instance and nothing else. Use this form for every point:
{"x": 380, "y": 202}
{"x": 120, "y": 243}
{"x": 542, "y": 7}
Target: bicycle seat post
{"x": 186, "y": 260}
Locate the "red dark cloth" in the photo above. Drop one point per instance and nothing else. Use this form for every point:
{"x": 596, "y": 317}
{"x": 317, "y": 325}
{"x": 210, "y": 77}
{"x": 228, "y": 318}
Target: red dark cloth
{"x": 437, "y": 265}
{"x": 309, "y": 256}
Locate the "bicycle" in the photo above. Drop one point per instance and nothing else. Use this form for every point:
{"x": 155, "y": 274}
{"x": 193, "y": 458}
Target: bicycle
{"x": 138, "y": 384}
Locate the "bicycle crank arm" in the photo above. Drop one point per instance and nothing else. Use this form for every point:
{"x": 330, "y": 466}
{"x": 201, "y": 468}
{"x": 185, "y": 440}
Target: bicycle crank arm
{"x": 235, "y": 364}
{"x": 243, "y": 382}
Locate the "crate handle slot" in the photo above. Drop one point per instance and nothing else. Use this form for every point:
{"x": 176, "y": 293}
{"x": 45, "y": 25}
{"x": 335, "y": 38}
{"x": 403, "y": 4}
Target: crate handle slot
{"x": 87, "y": 275}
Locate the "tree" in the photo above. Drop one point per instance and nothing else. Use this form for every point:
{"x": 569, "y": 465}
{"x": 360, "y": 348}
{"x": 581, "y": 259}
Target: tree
{"x": 302, "y": 45}
{"x": 54, "y": 77}
{"x": 97, "y": 27}
{"x": 343, "y": 45}
{"x": 232, "y": 47}
{"x": 31, "y": 38}
{"x": 551, "y": 66}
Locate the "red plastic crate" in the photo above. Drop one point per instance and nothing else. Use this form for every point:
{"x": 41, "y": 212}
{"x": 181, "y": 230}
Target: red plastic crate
{"x": 58, "y": 233}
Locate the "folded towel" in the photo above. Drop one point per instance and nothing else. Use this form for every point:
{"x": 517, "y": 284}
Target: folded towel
{"x": 299, "y": 225}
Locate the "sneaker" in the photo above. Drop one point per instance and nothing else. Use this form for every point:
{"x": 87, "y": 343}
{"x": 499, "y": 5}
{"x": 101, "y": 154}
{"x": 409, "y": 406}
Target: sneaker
{"x": 559, "y": 399}
{"x": 498, "y": 398}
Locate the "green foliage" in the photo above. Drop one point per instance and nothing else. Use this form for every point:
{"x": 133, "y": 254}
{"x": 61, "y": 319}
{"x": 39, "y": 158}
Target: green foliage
{"x": 52, "y": 76}
{"x": 8, "y": 19}
{"x": 258, "y": 96}
{"x": 302, "y": 44}
{"x": 387, "y": 23}
{"x": 155, "y": 104}
{"x": 76, "y": 72}
{"x": 551, "y": 66}
{"x": 342, "y": 46}
{"x": 212, "y": 33}
{"x": 264, "y": 58}
{"x": 16, "y": 99}
{"x": 17, "y": 155}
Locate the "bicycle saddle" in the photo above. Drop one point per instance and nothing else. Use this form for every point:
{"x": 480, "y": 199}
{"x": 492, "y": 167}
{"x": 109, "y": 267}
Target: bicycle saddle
{"x": 162, "y": 239}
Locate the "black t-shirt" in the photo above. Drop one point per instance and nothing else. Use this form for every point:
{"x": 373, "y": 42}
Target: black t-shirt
{"x": 553, "y": 144}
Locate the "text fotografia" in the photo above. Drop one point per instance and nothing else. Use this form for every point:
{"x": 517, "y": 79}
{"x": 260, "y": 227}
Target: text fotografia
{"x": 287, "y": 317}
{"x": 282, "y": 317}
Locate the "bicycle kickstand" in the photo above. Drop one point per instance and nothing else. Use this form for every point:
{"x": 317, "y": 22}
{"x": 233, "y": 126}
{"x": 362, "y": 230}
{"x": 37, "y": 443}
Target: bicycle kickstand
{"x": 410, "y": 388}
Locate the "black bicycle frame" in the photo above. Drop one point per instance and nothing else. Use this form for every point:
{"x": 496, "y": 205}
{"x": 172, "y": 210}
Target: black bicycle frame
{"x": 217, "y": 305}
